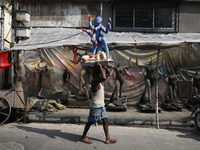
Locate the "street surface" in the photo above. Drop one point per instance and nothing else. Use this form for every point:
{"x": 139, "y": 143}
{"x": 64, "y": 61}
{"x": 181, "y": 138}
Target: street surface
{"x": 40, "y": 136}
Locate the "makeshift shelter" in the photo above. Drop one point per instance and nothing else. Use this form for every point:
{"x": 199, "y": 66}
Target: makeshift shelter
{"x": 55, "y": 47}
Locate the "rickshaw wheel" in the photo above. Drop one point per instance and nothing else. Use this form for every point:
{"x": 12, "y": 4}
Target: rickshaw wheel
{"x": 197, "y": 120}
{"x": 5, "y": 110}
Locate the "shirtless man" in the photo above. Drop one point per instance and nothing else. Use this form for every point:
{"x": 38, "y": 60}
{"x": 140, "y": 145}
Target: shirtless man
{"x": 97, "y": 109}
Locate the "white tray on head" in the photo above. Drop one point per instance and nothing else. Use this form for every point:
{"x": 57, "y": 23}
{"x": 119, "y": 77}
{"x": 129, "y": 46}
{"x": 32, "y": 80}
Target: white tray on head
{"x": 105, "y": 62}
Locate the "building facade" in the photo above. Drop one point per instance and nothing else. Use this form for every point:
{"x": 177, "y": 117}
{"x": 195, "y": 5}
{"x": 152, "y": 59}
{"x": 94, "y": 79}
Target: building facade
{"x": 6, "y": 25}
{"x": 166, "y": 16}
{"x": 5, "y": 38}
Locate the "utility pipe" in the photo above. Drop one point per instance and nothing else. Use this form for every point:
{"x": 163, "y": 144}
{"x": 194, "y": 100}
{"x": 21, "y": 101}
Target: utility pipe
{"x": 101, "y": 9}
{"x": 2, "y": 28}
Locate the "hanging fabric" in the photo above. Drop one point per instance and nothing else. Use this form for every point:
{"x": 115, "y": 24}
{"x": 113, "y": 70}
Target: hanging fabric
{"x": 4, "y": 60}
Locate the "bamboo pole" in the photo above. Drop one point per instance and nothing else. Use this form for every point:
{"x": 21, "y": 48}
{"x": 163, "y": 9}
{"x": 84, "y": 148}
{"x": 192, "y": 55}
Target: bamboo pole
{"x": 156, "y": 107}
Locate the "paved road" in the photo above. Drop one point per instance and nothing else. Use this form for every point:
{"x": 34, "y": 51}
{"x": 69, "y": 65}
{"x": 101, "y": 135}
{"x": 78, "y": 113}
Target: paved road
{"x": 41, "y": 136}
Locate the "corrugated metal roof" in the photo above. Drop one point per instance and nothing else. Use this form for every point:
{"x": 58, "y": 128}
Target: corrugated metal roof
{"x": 53, "y": 37}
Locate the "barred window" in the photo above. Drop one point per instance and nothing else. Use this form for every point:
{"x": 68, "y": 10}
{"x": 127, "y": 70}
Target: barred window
{"x": 145, "y": 17}
{"x": 124, "y": 18}
{"x": 163, "y": 17}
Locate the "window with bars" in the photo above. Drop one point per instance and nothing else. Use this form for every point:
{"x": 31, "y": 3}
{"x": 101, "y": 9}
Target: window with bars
{"x": 163, "y": 18}
{"x": 153, "y": 18}
{"x": 143, "y": 18}
{"x": 124, "y": 18}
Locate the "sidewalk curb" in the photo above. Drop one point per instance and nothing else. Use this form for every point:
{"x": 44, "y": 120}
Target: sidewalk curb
{"x": 114, "y": 120}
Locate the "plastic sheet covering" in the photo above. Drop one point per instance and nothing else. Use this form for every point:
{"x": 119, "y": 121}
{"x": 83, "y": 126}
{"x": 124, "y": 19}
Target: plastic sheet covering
{"x": 132, "y": 87}
{"x": 54, "y": 37}
{"x": 56, "y": 47}
{"x": 52, "y": 82}
{"x": 185, "y": 57}
{"x": 30, "y": 66}
{"x": 34, "y": 64}
{"x": 61, "y": 58}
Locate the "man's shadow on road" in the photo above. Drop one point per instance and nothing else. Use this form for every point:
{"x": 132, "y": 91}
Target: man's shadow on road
{"x": 52, "y": 133}
{"x": 55, "y": 133}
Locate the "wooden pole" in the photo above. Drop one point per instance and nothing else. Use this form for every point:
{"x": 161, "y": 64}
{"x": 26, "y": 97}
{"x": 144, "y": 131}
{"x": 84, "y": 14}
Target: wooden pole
{"x": 157, "y": 116}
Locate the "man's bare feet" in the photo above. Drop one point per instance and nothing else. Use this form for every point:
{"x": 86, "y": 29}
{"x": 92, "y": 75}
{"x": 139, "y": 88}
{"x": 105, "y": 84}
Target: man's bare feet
{"x": 86, "y": 140}
{"x": 110, "y": 141}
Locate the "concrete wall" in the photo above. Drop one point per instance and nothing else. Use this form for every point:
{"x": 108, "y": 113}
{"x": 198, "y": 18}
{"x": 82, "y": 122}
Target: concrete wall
{"x": 189, "y": 17}
{"x": 62, "y": 14}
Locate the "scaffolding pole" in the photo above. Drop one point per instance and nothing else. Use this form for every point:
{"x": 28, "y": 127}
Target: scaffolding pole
{"x": 157, "y": 116}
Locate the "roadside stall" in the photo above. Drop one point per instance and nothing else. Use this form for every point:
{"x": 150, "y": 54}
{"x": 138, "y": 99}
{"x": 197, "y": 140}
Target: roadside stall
{"x": 47, "y": 63}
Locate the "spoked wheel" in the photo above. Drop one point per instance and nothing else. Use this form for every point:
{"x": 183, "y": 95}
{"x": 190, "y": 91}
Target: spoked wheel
{"x": 5, "y": 110}
{"x": 197, "y": 120}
